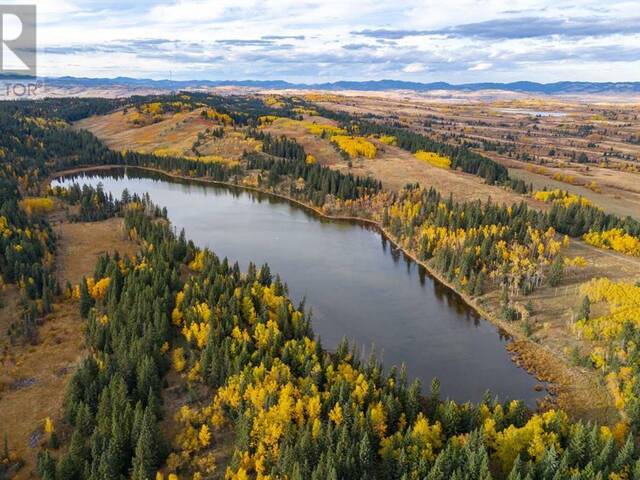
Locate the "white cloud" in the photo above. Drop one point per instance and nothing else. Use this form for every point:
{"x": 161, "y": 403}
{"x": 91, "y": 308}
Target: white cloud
{"x": 415, "y": 68}
{"x": 481, "y": 66}
{"x": 194, "y": 11}
{"x": 107, "y": 36}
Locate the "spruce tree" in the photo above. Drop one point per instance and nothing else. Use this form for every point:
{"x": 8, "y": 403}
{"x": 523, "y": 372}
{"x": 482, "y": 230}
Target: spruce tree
{"x": 585, "y": 308}
{"x": 85, "y": 299}
{"x": 147, "y": 452}
{"x": 556, "y": 271}
{"x": 46, "y": 466}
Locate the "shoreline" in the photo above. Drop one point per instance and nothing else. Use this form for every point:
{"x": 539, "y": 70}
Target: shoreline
{"x": 533, "y": 357}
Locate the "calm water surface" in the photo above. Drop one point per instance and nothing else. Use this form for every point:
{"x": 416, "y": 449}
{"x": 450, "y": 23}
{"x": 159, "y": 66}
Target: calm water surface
{"x": 536, "y": 113}
{"x": 356, "y": 284}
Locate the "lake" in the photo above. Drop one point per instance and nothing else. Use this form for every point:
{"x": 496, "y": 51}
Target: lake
{"x": 356, "y": 285}
{"x": 535, "y": 113}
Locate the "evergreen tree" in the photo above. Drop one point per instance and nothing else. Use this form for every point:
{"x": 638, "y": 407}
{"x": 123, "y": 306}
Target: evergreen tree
{"x": 585, "y": 308}
{"x": 147, "y": 452}
{"x": 85, "y": 299}
{"x": 556, "y": 271}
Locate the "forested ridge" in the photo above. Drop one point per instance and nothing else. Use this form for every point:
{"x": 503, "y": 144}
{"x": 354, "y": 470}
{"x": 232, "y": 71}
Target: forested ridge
{"x": 278, "y": 146}
{"x": 67, "y": 109}
{"x": 287, "y": 158}
{"x": 295, "y": 410}
{"x": 470, "y": 242}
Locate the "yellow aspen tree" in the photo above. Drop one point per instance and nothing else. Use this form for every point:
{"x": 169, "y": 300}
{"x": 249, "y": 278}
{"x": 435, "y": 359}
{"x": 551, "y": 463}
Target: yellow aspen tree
{"x": 204, "y": 436}
{"x": 335, "y": 415}
{"x": 48, "y": 426}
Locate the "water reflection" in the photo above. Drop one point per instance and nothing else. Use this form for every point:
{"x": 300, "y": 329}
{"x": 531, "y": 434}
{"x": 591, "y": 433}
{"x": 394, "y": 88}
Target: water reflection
{"x": 357, "y": 284}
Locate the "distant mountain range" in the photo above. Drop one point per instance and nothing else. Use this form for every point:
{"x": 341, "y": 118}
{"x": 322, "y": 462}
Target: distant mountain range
{"x": 378, "y": 85}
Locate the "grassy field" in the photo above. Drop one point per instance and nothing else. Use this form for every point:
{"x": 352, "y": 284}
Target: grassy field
{"x": 619, "y": 191}
{"x": 550, "y": 133}
{"x": 177, "y": 132}
{"x": 397, "y": 167}
{"x": 174, "y": 135}
{"x": 394, "y": 167}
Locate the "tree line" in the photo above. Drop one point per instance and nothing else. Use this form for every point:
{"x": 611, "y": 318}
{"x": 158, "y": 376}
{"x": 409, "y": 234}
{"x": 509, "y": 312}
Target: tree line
{"x": 27, "y": 244}
{"x": 278, "y": 146}
{"x": 95, "y": 205}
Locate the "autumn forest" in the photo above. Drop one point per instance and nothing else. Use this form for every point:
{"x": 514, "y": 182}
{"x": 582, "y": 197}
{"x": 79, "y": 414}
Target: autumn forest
{"x": 174, "y": 362}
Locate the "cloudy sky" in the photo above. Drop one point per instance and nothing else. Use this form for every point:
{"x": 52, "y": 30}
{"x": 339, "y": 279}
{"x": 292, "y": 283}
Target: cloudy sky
{"x": 315, "y": 41}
